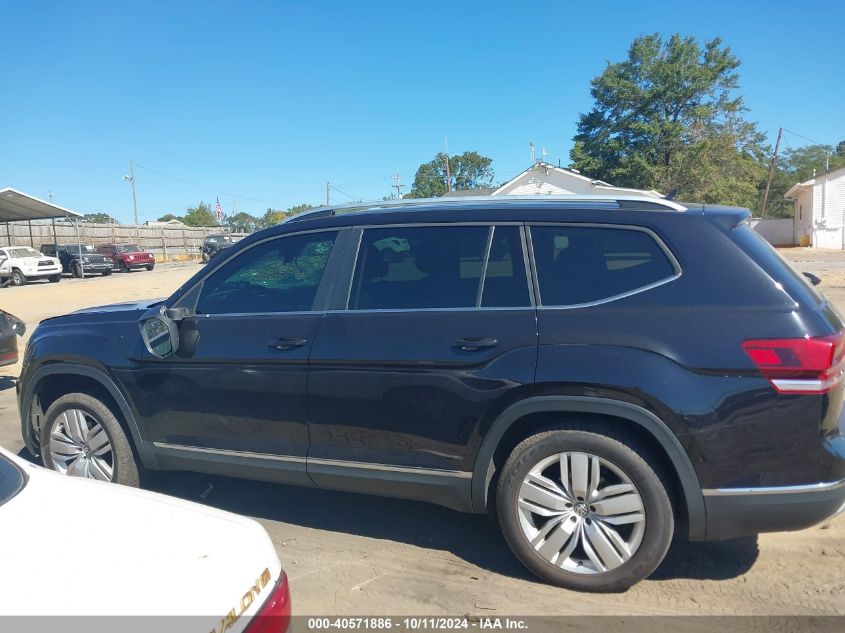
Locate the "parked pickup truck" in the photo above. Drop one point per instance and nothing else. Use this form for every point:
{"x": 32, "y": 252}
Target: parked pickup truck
{"x": 69, "y": 255}
{"x": 19, "y": 264}
{"x": 126, "y": 257}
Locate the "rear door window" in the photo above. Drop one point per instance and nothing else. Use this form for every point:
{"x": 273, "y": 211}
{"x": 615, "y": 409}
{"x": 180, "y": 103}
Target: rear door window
{"x": 585, "y": 264}
{"x": 408, "y": 268}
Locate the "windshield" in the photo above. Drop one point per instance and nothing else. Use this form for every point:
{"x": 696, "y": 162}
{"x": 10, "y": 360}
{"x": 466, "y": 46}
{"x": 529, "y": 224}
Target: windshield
{"x": 25, "y": 251}
{"x": 73, "y": 248}
{"x": 12, "y": 479}
{"x": 128, "y": 248}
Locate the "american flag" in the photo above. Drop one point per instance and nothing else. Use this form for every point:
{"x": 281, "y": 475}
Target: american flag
{"x": 219, "y": 212}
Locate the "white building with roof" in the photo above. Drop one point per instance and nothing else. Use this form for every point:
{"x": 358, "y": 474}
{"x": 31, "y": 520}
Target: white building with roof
{"x": 820, "y": 209}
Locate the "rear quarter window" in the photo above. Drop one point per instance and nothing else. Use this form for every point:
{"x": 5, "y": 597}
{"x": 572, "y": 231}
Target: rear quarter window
{"x": 587, "y": 264}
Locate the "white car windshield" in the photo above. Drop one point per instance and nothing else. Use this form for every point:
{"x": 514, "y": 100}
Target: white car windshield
{"x": 24, "y": 251}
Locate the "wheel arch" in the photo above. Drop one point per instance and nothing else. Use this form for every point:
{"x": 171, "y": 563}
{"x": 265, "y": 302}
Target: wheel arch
{"x": 647, "y": 423}
{"x": 75, "y": 372}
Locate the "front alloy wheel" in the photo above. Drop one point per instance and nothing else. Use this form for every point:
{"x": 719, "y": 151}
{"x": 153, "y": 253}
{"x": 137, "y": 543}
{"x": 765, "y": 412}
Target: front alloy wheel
{"x": 80, "y": 446}
{"x": 81, "y": 437}
{"x": 584, "y": 508}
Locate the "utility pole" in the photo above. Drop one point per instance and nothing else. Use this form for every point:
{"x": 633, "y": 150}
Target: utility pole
{"x": 771, "y": 174}
{"x": 531, "y": 146}
{"x": 398, "y": 186}
{"x": 328, "y": 187}
{"x": 131, "y": 180}
{"x": 448, "y": 174}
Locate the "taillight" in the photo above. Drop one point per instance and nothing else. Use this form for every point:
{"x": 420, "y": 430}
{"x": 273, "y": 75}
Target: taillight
{"x": 800, "y": 365}
{"x": 274, "y": 615}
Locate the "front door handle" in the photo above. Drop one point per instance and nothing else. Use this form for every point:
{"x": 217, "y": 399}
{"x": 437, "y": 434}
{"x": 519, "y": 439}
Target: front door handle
{"x": 285, "y": 343}
{"x": 472, "y": 344}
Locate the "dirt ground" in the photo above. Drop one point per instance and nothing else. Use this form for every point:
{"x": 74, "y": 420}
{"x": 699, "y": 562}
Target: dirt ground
{"x": 348, "y": 554}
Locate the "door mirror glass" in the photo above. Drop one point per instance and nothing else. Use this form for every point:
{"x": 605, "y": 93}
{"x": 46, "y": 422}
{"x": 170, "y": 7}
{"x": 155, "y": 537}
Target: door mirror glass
{"x": 160, "y": 335}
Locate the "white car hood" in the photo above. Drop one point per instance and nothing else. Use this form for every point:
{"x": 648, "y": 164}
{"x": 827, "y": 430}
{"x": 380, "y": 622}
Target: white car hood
{"x": 74, "y": 546}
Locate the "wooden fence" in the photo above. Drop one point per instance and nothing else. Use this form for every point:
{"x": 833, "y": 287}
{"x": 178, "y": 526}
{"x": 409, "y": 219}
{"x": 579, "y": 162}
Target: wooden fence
{"x": 166, "y": 243}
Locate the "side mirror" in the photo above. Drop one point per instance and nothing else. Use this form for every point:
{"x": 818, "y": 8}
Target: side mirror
{"x": 813, "y": 279}
{"x": 160, "y": 334}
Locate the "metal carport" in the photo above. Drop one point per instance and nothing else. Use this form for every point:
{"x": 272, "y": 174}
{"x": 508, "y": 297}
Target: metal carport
{"x": 16, "y": 206}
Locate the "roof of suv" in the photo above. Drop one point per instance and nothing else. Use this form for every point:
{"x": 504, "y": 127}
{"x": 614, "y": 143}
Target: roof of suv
{"x": 498, "y": 208}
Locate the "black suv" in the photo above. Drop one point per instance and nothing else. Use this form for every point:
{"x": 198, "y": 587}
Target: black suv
{"x": 69, "y": 256}
{"x": 596, "y": 373}
{"x": 213, "y": 245}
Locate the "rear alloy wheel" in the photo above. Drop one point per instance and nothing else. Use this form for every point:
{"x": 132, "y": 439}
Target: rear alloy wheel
{"x": 584, "y": 510}
{"x": 81, "y": 437}
{"x": 18, "y": 278}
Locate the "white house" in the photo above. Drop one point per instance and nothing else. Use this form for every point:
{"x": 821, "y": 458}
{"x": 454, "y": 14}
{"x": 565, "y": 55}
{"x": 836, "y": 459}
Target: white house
{"x": 543, "y": 178}
{"x": 820, "y": 209}
{"x": 171, "y": 223}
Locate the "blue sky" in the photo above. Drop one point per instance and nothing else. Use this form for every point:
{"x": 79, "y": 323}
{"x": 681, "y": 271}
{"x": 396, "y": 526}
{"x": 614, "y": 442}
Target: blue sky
{"x": 261, "y": 103}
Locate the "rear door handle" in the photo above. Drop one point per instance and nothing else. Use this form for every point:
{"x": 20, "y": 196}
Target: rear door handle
{"x": 472, "y": 344}
{"x": 285, "y": 343}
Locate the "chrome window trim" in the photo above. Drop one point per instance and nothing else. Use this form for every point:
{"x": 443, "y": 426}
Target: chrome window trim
{"x": 629, "y": 227}
{"x": 774, "y": 490}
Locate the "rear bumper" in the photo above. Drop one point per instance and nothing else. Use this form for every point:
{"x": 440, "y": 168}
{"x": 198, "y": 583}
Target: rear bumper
{"x": 734, "y": 512}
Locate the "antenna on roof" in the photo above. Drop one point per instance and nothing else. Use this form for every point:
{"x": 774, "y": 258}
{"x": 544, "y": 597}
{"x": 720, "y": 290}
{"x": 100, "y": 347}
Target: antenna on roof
{"x": 531, "y": 145}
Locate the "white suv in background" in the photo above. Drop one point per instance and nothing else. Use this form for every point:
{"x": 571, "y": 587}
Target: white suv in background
{"x": 23, "y": 263}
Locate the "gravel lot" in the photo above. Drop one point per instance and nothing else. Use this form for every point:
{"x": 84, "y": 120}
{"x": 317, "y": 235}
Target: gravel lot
{"x": 355, "y": 555}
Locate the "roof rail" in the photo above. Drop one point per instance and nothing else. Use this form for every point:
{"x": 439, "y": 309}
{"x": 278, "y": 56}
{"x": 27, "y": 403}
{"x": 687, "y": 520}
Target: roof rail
{"x": 569, "y": 199}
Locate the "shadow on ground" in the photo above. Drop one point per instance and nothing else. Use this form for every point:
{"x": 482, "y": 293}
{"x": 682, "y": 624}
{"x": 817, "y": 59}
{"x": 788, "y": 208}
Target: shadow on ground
{"x": 473, "y": 538}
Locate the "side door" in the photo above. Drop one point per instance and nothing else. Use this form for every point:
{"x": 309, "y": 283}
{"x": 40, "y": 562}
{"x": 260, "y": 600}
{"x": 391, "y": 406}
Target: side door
{"x": 433, "y": 332}
{"x": 236, "y": 393}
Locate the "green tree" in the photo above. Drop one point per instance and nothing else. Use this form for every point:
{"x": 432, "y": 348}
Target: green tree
{"x": 469, "y": 170}
{"x": 200, "y": 215}
{"x": 274, "y": 216}
{"x": 169, "y": 216}
{"x": 667, "y": 118}
{"x": 243, "y": 221}
{"x": 99, "y": 218}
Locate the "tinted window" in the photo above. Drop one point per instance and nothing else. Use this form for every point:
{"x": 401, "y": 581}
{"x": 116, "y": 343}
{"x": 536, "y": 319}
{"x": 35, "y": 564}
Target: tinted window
{"x": 419, "y": 267}
{"x": 505, "y": 282}
{"x": 280, "y": 275}
{"x": 584, "y": 264}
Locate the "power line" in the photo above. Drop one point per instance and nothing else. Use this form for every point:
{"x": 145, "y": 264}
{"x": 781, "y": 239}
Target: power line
{"x": 804, "y": 137}
{"x": 198, "y": 186}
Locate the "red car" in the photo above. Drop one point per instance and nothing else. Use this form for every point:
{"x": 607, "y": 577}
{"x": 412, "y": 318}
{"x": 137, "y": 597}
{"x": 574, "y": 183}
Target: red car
{"x": 126, "y": 257}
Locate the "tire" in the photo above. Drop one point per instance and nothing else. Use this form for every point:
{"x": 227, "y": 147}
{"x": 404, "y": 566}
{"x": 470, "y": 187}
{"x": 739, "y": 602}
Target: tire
{"x": 638, "y": 511}
{"x": 204, "y": 258}
{"x": 107, "y": 272}
{"x": 61, "y": 424}
{"x": 54, "y": 279}
{"x": 122, "y": 267}
{"x": 150, "y": 266}
{"x": 18, "y": 278}
{"x": 76, "y": 271}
